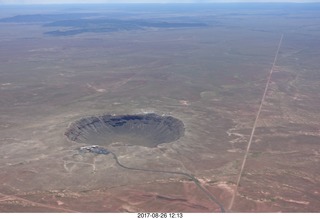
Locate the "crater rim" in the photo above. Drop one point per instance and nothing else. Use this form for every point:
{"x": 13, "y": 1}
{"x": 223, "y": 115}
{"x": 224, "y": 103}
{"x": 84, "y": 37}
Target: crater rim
{"x": 148, "y": 130}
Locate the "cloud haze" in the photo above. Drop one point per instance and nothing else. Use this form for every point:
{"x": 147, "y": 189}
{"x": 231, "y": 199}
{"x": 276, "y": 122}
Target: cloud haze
{"x": 140, "y": 1}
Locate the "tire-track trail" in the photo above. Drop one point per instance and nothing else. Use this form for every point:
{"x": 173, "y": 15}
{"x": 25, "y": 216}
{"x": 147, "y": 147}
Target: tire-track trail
{"x": 255, "y": 124}
{"x": 32, "y": 203}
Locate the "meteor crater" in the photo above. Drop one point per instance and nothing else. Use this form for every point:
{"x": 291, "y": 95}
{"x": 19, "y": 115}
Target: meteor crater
{"x": 147, "y": 130}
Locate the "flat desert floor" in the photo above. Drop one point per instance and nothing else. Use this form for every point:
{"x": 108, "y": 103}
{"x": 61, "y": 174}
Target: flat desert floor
{"x": 244, "y": 81}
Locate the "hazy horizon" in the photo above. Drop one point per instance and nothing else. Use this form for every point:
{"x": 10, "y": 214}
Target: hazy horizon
{"x": 24, "y": 2}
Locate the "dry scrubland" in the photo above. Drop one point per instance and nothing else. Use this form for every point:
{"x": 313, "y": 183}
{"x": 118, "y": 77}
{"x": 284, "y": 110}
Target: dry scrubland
{"x": 206, "y": 66}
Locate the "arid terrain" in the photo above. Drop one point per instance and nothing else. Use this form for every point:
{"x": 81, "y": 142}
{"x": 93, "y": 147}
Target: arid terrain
{"x": 245, "y": 97}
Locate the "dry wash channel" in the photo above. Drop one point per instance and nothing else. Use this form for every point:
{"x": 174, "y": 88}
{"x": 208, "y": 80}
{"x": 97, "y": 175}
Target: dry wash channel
{"x": 147, "y": 130}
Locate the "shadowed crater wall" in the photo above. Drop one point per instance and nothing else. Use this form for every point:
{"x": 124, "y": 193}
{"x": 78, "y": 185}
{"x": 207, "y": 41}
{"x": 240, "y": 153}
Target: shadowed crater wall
{"x": 147, "y": 130}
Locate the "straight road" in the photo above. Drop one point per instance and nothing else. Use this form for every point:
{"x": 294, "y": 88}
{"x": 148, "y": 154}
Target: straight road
{"x": 255, "y": 124}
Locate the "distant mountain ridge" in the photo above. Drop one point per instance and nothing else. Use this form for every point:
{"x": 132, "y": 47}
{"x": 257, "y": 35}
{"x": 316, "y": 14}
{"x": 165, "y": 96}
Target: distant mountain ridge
{"x": 77, "y": 23}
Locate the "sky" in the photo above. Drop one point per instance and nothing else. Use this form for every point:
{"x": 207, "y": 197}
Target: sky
{"x": 139, "y": 1}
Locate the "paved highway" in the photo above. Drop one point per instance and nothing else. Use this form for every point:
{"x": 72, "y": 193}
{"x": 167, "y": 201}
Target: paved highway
{"x": 205, "y": 191}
